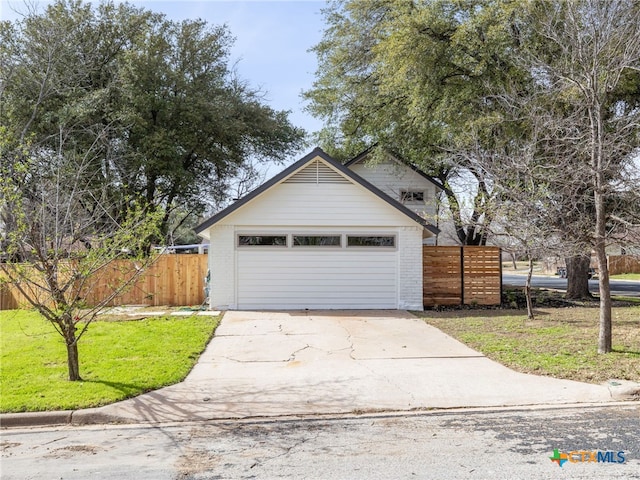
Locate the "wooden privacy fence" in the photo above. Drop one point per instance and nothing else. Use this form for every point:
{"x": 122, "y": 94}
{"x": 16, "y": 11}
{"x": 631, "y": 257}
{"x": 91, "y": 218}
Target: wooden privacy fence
{"x": 170, "y": 280}
{"x": 619, "y": 264}
{"x": 461, "y": 276}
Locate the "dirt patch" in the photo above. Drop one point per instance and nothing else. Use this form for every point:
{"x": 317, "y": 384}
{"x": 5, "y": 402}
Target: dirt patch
{"x": 195, "y": 461}
{"x": 71, "y": 450}
{"x": 140, "y": 312}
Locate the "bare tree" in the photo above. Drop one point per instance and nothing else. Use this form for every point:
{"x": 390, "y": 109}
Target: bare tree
{"x": 63, "y": 230}
{"x": 522, "y": 214}
{"x": 591, "y": 50}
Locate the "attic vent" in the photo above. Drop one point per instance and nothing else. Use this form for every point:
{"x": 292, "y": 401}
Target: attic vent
{"x": 317, "y": 172}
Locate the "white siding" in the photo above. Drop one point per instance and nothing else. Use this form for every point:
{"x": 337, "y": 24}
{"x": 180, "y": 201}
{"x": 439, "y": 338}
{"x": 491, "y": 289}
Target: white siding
{"x": 318, "y": 204}
{"x": 410, "y": 269}
{"x": 222, "y": 267}
{"x": 392, "y": 177}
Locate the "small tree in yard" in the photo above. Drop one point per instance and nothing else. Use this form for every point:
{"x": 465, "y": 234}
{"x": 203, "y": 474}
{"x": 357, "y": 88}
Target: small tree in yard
{"x": 522, "y": 212}
{"x": 63, "y": 235}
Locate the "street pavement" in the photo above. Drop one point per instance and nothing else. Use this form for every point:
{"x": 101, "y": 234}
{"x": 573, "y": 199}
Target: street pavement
{"x": 275, "y": 364}
{"x": 625, "y": 288}
{"x": 508, "y": 444}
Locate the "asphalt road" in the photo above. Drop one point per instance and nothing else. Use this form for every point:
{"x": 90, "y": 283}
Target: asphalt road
{"x": 445, "y": 445}
{"x": 618, "y": 287}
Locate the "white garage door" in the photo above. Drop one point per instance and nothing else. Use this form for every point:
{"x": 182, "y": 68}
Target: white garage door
{"x": 316, "y": 278}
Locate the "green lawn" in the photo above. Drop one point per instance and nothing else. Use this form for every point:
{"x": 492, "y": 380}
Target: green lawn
{"x": 560, "y": 342}
{"x": 118, "y": 360}
{"x": 627, "y": 276}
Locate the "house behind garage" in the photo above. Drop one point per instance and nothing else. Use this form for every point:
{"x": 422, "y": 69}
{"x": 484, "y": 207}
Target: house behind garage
{"x": 319, "y": 236}
{"x": 403, "y": 182}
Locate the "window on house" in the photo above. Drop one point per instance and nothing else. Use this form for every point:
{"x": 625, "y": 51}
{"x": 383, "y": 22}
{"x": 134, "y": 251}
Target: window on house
{"x": 262, "y": 240}
{"x": 316, "y": 241}
{"x": 411, "y": 196}
{"x": 371, "y": 241}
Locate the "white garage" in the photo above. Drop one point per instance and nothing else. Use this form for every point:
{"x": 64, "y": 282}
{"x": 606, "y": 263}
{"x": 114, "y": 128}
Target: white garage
{"x": 317, "y": 276}
{"x": 316, "y": 236}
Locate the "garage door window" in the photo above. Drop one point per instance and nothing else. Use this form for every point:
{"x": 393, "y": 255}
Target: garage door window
{"x": 371, "y": 241}
{"x": 317, "y": 241}
{"x": 262, "y": 240}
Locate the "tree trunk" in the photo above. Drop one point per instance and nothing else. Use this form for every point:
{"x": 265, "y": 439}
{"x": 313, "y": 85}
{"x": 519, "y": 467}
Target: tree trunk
{"x": 72, "y": 361}
{"x": 578, "y": 276}
{"x": 527, "y": 290}
{"x": 471, "y": 234}
{"x": 604, "y": 336}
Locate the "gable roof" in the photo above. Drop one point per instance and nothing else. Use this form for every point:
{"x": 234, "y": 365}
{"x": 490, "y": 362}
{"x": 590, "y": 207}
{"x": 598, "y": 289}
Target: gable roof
{"x": 363, "y": 155}
{"x": 289, "y": 171}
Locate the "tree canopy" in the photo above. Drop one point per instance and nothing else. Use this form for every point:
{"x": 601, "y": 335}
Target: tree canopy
{"x": 420, "y": 78}
{"x": 156, "y": 100}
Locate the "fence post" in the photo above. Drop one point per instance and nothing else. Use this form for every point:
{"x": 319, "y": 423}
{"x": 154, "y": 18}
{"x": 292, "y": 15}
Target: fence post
{"x": 500, "y": 262}
{"x": 462, "y": 275}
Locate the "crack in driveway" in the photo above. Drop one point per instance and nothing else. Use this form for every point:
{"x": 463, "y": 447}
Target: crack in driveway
{"x": 292, "y": 357}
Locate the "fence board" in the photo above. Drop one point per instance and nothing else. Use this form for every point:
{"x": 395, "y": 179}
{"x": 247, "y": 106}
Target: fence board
{"x": 442, "y": 269}
{"x": 619, "y": 264}
{"x": 482, "y": 275}
{"x": 7, "y": 299}
{"x": 171, "y": 280}
{"x": 461, "y": 275}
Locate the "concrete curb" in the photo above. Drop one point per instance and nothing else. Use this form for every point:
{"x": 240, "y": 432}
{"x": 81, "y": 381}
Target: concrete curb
{"x": 92, "y": 416}
{"x": 89, "y": 416}
{"x": 35, "y": 419}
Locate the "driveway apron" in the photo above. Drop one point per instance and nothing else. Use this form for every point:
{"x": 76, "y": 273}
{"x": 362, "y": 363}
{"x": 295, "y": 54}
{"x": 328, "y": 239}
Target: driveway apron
{"x": 262, "y": 364}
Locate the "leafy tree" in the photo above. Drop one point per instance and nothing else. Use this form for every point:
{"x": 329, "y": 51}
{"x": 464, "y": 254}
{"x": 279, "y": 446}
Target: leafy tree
{"x": 181, "y": 228}
{"x": 419, "y": 78}
{"x": 176, "y": 123}
{"x": 115, "y": 124}
{"x": 194, "y": 125}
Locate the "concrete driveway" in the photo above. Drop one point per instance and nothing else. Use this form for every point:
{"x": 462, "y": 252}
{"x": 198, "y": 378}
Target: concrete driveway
{"x": 263, "y": 364}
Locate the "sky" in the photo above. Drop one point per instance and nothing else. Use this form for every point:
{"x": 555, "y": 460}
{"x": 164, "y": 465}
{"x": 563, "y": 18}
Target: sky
{"x": 273, "y": 38}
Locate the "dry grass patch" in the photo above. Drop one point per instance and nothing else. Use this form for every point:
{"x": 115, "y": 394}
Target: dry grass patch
{"x": 560, "y": 342}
